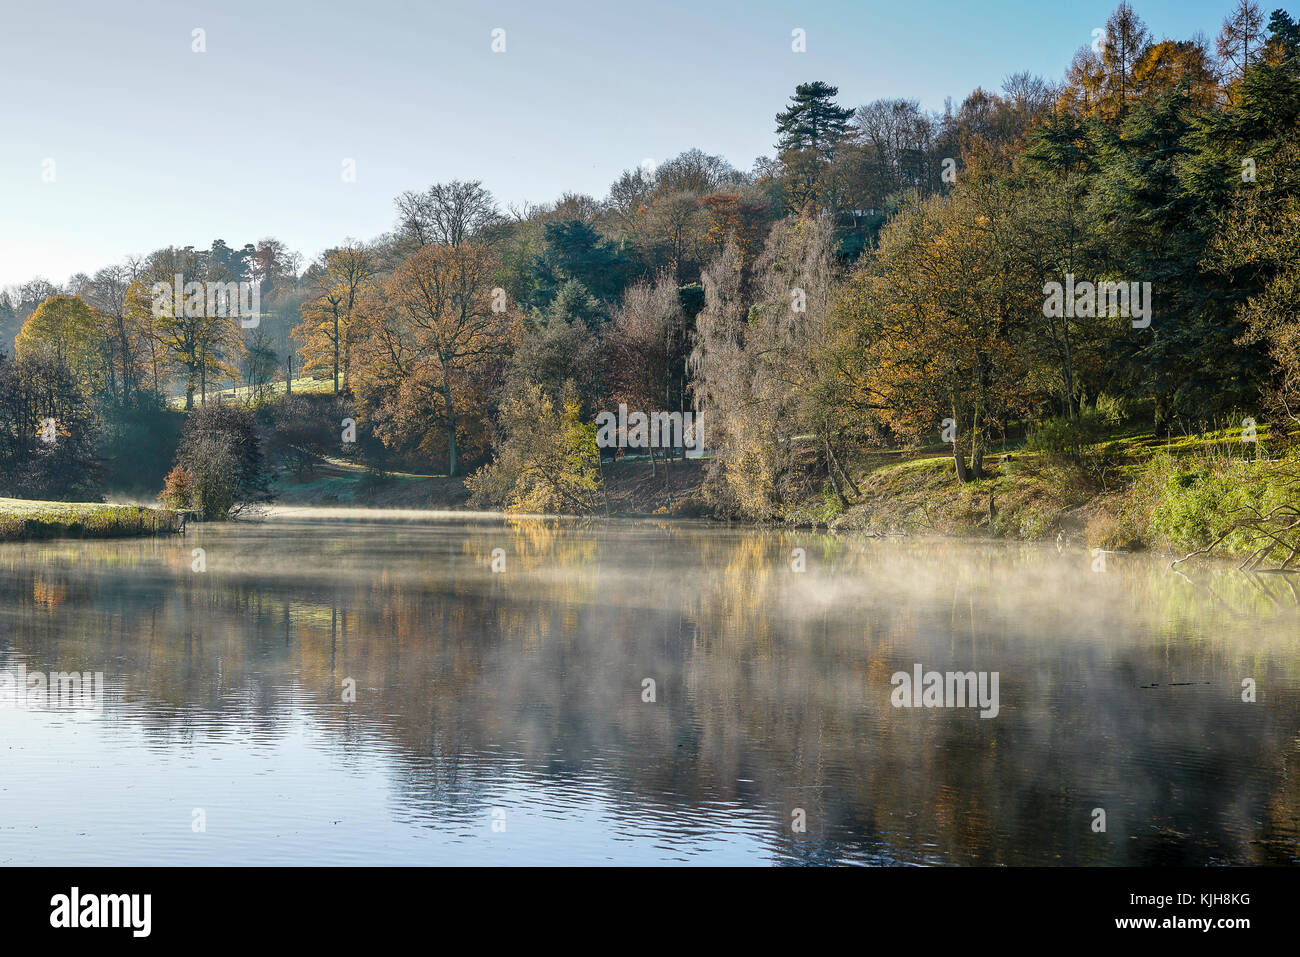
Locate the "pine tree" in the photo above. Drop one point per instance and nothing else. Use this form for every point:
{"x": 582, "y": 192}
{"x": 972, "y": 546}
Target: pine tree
{"x": 1283, "y": 44}
{"x": 812, "y": 121}
{"x": 809, "y": 130}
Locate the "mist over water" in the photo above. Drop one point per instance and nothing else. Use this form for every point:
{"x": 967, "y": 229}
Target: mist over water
{"x": 517, "y": 697}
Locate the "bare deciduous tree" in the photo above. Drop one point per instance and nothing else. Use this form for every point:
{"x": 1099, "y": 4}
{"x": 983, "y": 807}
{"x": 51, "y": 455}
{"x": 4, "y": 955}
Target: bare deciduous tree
{"x": 446, "y": 214}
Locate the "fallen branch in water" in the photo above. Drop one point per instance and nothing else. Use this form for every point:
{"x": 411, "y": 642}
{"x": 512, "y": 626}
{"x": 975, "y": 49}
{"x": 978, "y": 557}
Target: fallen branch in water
{"x": 1279, "y": 528}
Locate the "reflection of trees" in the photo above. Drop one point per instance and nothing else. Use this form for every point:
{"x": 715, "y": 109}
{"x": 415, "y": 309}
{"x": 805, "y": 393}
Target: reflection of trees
{"x": 773, "y": 686}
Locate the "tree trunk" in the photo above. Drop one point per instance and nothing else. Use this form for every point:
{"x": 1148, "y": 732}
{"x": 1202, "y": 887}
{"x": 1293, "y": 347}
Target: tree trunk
{"x": 451, "y": 433}
{"x": 830, "y": 471}
{"x": 848, "y": 479}
{"x": 1069, "y": 376}
{"x": 959, "y": 461}
{"x": 126, "y": 353}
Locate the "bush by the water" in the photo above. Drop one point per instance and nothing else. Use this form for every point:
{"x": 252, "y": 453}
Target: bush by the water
{"x": 1200, "y": 499}
{"x": 220, "y": 462}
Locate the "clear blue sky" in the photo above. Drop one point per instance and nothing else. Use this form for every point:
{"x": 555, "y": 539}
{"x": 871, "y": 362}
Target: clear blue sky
{"x": 154, "y": 144}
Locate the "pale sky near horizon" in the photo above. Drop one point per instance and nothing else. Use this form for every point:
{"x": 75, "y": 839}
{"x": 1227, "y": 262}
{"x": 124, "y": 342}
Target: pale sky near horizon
{"x": 153, "y": 144}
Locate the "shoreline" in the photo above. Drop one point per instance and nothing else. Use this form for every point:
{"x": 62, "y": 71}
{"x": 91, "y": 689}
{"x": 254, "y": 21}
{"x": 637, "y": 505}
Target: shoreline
{"x": 34, "y": 520}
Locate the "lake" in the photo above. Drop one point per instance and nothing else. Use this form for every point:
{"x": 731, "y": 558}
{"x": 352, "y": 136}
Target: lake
{"x": 327, "y": 687}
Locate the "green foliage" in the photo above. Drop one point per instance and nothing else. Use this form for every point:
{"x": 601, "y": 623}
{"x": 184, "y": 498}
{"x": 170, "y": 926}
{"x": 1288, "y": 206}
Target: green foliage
{"x": 562, "y": 352}
{"x": 138, "y": 443}
{"x": 812, "y": 121}
{"x": 1197, "y": 499}
{"x": 575, "y": 250}
{"x": 548, "y": 461}
{"x": 1067, "y": 438}
{"x": 1112, "y": 410}
{"x": 692, "y": 298}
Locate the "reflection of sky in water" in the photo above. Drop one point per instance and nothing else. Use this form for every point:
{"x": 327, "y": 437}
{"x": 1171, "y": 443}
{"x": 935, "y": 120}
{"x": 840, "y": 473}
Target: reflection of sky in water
{"x": 97, "y": 791}
{"x": 522, "y": 692}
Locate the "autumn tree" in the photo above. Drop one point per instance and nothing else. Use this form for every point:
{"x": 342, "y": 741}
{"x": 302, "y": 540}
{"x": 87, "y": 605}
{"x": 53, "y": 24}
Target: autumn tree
{"x": 939, "y": 306}
{"x": 647, "y": 346}
{"x": 425, "y": 357}
{"x": 697, "y": 172}
{"x": 891, "y": 149}
{"x": 122, "y": 341}
{"x": 1169, "y": 63}
{"x": 64, "y": 330}
{"x": 763, "y": 379}
{"x": 344, "y": 283}
{"x": 1241, "y": 41}
{"x": 1082, "y": 93}
{"x": 742, "y": 217}
{"x": 195, "y": 340}
{"x": 272, "y": 264}
{"x": 1126, "y": 42}
{"x": 547, "y": 462}
{"x": 556, "y": 350}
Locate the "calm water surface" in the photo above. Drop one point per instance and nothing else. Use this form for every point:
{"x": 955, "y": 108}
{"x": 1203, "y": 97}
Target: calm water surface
{"x": 499, "y": 717}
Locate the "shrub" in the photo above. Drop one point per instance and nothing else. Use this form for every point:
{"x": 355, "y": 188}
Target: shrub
{"x": 222, "y": 454}
{"x": 1065, "y": 438}
{"x": 215, "y": 471}
{"x": 1112, "y": 410}
{"x": 548, "y": 462}
{"x": 178, "y": 489}
{"x": 1194, "y": 501}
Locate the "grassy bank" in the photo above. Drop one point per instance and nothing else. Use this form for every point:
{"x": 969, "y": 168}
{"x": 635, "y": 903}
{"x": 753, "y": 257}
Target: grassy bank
{"x": 305, "y": 386}
{"x": 1126, "y": 492}
{"x": 1130, "y": 492}
{"x": 631, "y": 487}
{"x": 22, "y": 519}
